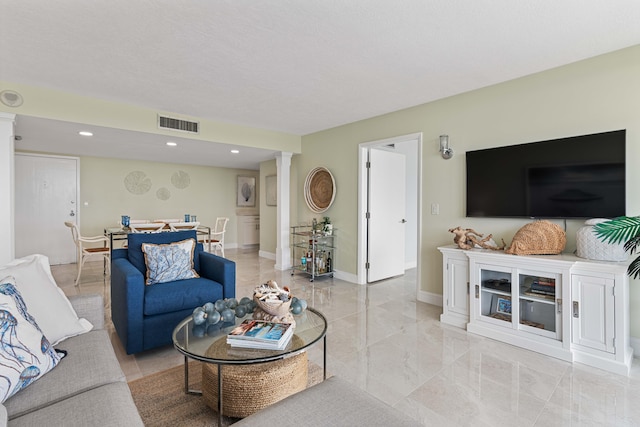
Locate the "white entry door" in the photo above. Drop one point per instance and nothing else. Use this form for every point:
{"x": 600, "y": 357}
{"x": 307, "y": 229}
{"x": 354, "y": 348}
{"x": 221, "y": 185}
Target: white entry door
{"x": 386, "y": 223}
{"x": 46, "y": 195}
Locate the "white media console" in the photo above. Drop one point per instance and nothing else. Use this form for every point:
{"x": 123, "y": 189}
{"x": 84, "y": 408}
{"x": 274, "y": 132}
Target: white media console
{"x": 563, "y": 306}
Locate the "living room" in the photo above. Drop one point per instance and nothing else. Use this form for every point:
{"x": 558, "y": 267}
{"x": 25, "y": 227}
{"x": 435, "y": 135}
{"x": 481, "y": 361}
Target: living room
{"x": 591, "y": 95}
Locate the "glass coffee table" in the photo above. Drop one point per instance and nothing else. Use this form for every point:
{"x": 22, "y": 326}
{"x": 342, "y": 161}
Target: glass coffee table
{"x": 208, "y": 344}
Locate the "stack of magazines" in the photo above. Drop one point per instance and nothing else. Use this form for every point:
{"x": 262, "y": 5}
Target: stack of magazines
{"x": 260, "y": 334}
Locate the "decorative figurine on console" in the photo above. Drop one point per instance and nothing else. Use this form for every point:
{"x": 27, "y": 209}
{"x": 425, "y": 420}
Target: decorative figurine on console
{"x": 468, "y": 238}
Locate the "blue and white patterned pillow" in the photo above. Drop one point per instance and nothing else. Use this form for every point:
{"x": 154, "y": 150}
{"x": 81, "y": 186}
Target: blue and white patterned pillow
{"x": 25, "y": 353}
{"x": 173, "y": 261}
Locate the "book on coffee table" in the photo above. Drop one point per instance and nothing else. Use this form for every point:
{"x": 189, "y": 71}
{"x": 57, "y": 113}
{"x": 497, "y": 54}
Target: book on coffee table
{"x": 260, "y": 334}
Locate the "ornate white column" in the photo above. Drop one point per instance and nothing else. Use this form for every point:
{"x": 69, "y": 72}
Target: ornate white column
{"x": 283, "y": 249}
{"x": 7, "y": 235}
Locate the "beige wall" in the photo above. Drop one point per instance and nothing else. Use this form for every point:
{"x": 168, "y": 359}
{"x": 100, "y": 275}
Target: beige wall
{"x": 104, "y": 198}
{"x": 595, "y": 95}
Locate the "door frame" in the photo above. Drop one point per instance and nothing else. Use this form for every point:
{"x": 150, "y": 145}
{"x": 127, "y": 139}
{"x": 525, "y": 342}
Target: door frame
{"x": 53, "y": 156}
{"x": 363, "y": 149}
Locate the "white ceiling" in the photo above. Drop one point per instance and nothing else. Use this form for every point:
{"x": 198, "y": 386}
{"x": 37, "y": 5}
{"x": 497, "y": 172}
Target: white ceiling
{"x": 296, "y": 66}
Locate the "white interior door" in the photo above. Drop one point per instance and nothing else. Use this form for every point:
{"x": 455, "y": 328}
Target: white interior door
{"x": 386, "y": 222}
{"x": 46, "y": 195}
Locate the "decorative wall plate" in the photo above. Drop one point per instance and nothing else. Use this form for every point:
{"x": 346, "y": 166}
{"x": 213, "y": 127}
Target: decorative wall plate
{"x": 319, "y": 189}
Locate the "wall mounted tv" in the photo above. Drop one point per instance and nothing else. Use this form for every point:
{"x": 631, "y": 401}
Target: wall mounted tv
{"x": 576, "y": 177}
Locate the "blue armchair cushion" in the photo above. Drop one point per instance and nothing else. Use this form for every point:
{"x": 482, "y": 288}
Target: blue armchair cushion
{"x": 179, "y": 295}
{"x": 169, "y": 262}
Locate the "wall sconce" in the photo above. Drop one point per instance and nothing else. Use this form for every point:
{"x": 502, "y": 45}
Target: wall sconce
{"x": 445, "y": 150}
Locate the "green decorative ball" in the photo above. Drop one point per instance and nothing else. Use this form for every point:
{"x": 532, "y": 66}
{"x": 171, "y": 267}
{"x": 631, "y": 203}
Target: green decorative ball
{"x": 220, "y": 305}
{"x": 213, "y": 318}
{"x": 232, "y": 303}
{"x": 228, "y": 315}
{"x": 241, "y": 310}
{"x": 209, "y": 308}
{"x": 296, "y": 308}
{"x": 245, "y": 300}
{"x": 199, "y": 316}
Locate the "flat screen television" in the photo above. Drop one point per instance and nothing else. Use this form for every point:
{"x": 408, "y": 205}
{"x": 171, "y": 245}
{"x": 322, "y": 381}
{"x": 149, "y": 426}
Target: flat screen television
{"x": 575, "y": 177}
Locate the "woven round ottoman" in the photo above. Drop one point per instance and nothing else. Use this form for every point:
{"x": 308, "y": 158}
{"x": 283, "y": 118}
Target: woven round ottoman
{"x": 248, "y": 388}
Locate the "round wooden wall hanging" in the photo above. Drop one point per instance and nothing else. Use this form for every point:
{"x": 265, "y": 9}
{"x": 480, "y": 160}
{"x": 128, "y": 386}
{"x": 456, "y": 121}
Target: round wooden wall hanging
{"x": 319, "y": 189}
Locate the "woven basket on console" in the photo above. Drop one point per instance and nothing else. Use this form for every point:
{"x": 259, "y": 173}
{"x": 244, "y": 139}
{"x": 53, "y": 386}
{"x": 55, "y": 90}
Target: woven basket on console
{"x": 538, "y": 238}
{"x": 249, "y": 388}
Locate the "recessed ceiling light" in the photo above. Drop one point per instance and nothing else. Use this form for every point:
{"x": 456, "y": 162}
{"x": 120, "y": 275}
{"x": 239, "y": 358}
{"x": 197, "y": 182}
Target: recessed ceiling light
{"x": 171, "y": 144}
{"x": 235, "y": 151}
{"x": 85, "y": 133}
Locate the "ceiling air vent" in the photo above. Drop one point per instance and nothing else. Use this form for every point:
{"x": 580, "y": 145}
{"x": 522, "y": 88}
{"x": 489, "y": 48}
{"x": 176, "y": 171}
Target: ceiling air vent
{"x": 177, "y": 124}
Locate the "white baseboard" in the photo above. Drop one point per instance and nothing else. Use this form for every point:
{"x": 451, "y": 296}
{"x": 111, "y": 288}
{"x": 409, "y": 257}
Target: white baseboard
{"x": 267, "y": 255}
{"x": 410, "y": 265}
{"x": 347, "y": 277}
{"x": 430, "y": 298}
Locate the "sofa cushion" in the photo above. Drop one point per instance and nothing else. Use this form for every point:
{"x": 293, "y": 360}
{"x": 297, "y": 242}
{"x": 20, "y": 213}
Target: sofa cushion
{"x": 180, "y": 295}
{"x": 46, "y": 301}
{"x": 169, "y": 262}
{"x": 135, "y": 241}
{"x": 107, "y": 405}
{"x": 25, "y": 353}
{"x": 90, "y": 362}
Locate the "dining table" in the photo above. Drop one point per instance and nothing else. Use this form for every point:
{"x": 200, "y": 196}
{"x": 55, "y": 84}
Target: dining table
{"x": 116, "y": 234}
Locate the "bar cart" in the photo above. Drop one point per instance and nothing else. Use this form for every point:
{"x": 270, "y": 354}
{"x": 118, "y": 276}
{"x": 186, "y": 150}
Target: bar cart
{"x": 312, "y": 251}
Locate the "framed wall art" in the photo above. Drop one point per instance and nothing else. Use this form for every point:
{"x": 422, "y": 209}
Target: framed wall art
{"x": 271, "y": 187}
{"x": 246, "y": 196}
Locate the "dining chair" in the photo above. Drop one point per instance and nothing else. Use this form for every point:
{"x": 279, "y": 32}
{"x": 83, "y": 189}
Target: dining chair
{"x": 179, "y": 226}
{"x": 86, "y": 247}
{"x": 149, "y": 227}
{"x": 217, "y": 236}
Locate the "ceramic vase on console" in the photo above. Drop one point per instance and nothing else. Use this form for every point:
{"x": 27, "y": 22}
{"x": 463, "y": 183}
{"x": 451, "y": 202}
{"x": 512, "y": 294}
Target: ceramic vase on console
{"x": 590, "y": 247}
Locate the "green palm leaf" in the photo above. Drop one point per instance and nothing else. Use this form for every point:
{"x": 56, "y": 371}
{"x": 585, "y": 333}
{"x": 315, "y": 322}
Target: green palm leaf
{"x": 618, "y": 230}
{"x": 623, "y": 229}
{"x": 634, "y": 268}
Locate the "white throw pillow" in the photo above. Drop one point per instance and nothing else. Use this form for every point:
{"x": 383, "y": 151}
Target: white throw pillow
{"x": 25, "y": 353}
{"x": 46, "y": 301}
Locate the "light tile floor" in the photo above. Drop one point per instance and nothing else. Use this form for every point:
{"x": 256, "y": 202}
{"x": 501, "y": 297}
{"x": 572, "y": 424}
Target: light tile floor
{"x": 381, "y": 339}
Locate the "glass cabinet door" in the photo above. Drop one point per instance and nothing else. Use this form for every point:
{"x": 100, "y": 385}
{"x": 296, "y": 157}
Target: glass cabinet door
{"x": 494, "y": 293}
{"x": 538, "y": 295}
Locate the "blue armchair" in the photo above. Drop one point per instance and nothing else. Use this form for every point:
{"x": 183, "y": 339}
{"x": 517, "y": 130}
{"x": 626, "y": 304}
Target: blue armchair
{"x": 145, "y": 316}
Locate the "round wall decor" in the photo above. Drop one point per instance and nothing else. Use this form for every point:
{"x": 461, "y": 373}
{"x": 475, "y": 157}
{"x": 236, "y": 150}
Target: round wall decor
{"x": 180, "y": 180}
{"x": 319, "y": 189}
{"x": 11, "y": 98}
{"x": 136, "y": 182}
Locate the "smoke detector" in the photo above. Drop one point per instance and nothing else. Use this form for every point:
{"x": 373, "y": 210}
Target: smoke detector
{"x": 11, "y": 98}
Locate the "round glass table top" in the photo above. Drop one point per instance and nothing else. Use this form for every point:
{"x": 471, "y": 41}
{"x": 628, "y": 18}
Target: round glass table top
{"x": 209, "y": 343}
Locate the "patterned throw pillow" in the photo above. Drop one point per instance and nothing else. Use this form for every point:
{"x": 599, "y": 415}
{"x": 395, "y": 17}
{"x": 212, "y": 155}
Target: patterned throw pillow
{"x": 166, "y": 263}
{"x": 25, "y": 353}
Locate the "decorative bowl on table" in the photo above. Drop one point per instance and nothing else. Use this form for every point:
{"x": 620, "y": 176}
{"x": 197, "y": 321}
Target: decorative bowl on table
{"x": 271, "y": 299}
